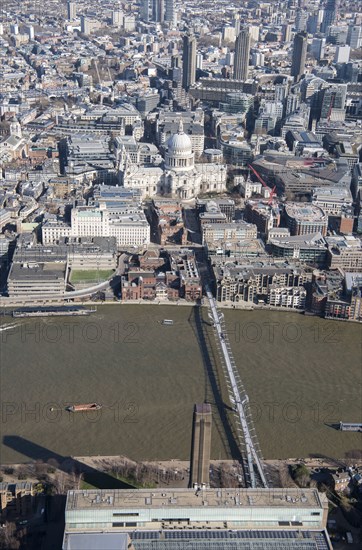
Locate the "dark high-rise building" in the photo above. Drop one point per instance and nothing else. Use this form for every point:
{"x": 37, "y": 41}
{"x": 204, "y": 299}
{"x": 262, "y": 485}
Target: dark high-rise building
{"x": 242, "y": 52}
{"x": 329, "y": 16}
{"x": 170, "y": 14}
{"x": 334, "y": 100}
{"x": 201, "y": 444}
{"x": 71, "y": 10}
{"x": 158, "y": 11}
{"x": 287, "y": 29}
{"x": 299, "y": 54}
{"x": 145, "y": 10}
{"x": 188, "y": 61}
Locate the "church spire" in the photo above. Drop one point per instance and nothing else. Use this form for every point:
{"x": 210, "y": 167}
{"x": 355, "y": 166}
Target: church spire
{"x": 180, "y": 127}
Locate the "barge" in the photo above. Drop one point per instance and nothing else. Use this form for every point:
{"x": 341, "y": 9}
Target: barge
{"x": 53, "y": 312}
{"x": 84, "y": 407}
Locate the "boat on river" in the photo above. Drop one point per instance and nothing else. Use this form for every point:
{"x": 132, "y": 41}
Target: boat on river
{"x": 84, "y": 407}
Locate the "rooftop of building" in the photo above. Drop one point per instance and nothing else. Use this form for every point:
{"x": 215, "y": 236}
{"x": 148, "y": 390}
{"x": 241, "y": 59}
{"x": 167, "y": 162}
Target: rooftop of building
{"x": 178, "y": 498}
{"x": 305, "y": 212}
{"x": 334, "y": 192}
{"x": 352, "y": 280}
{"x": 346, "y": 242}
{"x": 202, "y": 539}
{"x": 311, "y": 240}
{"x": 37, "y": 271}
{"x": 234, "y": 225}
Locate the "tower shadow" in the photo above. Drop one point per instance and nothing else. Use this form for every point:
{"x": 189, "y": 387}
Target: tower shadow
{"x": 66, "y": 464}
{"x": 212, "y": 381}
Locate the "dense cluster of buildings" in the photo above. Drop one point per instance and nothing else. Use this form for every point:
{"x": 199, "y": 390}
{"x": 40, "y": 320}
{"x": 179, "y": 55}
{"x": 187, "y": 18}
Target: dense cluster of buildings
{"x": 166, "y": 277}
{"x": 150, "y": 145}
{"x": 117, "y": 121}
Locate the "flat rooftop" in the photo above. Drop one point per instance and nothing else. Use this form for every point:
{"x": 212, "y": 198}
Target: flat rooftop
{"x": 178, "y": 498}
{"x": 334, "y": 192}
{"x": 208, "y": 540}
{"x": 305, "y": 212}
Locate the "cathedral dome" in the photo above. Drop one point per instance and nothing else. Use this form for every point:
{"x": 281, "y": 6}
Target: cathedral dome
{"x": 180, "y": 143}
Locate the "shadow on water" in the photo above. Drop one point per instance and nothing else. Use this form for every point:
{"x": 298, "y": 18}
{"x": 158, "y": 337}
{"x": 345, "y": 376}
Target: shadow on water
{"x": 332, "y": 425}
{"x": 220, "y": 419}
{"x": 65, "y": 464}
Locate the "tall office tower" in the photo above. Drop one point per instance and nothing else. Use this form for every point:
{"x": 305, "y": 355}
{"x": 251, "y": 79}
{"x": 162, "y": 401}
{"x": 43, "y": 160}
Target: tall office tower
{"x": 299, "y": 54}
{"x": 117, "y": 18}
{"x": 145, "y": 10}
{"x": 170, "y": 13}
{"x": 201, "y": 443}
{"x": 318, "y": 48}
{"x": 84, "y": 24}
{"x": 313, "y": 23}
{"x": 287, "y": 31}
{"x": 301, "y": 20}
{"x": 237, "y": 23}
{"x": 354, "y": 36}
{"x": 188, "y": 61}
{"x": 158, "y": 11}
{"x": 242, "y": 51}
{"x": 333, "y": 103}
{"x": 329, "y": 16}
{"x": 71, "y": 10}
{"x": 342, "y": 54}
{"x": 29, "y": 30}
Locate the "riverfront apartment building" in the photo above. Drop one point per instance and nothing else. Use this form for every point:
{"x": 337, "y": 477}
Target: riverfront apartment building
{"x": 213, "y": 519}
{"x": 270, "y": 284}
{"x": 289, "y": 297}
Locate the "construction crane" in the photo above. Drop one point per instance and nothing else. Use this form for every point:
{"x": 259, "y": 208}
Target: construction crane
{"x": 272, "y": 191}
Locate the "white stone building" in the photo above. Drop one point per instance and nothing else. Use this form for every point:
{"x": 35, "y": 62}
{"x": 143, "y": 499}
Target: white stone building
{"x": 129, "y": 228}
{"x": 179, "y": 175}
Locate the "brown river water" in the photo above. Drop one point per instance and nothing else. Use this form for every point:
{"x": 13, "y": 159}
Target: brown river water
{"x": 302, "y": 375}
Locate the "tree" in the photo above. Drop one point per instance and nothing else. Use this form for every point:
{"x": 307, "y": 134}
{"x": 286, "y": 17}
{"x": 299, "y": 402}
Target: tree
{"x": 8, "y": 539}
{"x": 301, "y": 475}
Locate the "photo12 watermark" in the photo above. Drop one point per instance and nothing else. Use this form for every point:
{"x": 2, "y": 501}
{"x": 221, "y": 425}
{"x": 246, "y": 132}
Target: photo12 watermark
{"x": 125, "y": 411}
{"x": 71, "y": 332}
{"x": 287, "y": 332}
{"x": 293, "y": 412}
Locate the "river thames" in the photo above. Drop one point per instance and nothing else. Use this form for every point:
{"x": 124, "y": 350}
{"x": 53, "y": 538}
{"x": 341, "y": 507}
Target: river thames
{"x": 302, "y": 375}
